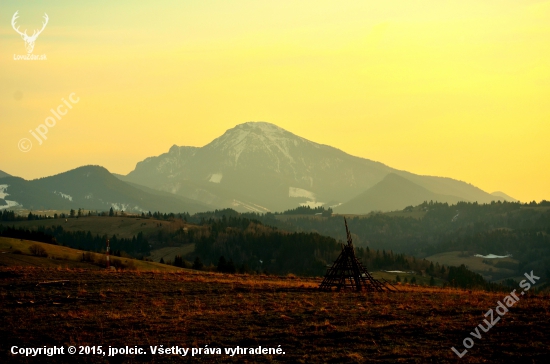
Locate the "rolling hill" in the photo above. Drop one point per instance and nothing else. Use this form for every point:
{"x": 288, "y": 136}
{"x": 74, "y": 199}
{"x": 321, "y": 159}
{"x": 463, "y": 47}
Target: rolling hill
{"x": 89, "y": 187}
{"x": 16, "y": 253}
{"x": 502, "y": 195}
{"x": 392, "y": 193}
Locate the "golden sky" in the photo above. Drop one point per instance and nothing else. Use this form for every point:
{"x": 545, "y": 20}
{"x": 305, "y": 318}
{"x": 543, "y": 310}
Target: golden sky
{"x": 449, "y": 88}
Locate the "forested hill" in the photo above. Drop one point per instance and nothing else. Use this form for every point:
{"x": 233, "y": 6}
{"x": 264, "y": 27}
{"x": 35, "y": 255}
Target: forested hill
{"x": 245, "y": 244}
{"x": 306, "y": 244}
{"x": 522, "y": 230}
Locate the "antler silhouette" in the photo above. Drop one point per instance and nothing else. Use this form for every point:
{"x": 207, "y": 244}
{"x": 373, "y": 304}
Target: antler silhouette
{"x": 13, "y": 19}
{"x": 29, "y": 40}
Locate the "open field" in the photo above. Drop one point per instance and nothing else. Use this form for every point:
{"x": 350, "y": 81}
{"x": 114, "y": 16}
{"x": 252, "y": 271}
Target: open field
{"x": 416, "y": 325}
{"x": 489, "y": 271}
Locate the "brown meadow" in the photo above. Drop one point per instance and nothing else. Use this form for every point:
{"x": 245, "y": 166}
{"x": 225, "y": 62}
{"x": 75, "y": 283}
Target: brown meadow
{"x": 53, "y": 307}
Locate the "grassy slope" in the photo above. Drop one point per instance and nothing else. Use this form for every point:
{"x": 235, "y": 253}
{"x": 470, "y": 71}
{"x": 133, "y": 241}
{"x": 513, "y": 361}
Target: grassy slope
{"x": 61, "y": 256}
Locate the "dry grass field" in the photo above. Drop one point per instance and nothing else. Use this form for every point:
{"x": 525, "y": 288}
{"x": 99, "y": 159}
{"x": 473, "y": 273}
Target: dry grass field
{"x": 15, "y": 252}
{"x": 81, "y": 307}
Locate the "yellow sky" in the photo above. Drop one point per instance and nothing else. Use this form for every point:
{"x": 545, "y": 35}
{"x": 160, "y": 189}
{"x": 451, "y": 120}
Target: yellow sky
{"x": 449, "y": 88}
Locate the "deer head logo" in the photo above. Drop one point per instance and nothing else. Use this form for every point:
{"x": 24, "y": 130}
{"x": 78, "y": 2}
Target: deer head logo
{"x": 29, "y": 40}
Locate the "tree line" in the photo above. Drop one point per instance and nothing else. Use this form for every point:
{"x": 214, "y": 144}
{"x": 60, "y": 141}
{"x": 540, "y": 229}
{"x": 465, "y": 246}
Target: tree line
{"x": 83, "y": 240}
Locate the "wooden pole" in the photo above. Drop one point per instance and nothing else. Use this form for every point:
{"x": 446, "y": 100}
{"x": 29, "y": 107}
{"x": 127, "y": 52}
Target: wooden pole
{"x": 107, "y": 253}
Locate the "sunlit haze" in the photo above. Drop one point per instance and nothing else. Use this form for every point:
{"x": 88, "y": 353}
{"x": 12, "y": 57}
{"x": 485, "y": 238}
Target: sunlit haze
{"x": 447, "y": 88}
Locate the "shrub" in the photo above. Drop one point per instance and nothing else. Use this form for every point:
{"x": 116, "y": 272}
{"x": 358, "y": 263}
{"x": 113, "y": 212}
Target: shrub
{"x": 87, "y": 257}
{"x": 38, "y": 251}
{"x": 225, "y": 266}
{"x": 197, "y": 264}
{"x": 179, "y": 262}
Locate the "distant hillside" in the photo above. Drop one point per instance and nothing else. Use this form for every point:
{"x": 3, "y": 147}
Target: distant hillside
{"x": 392, "y": 193}
{"x": 500, "y": 228}
{"x": 17, "y": 193}
{"x": 250, "y": 245}
{"x": 4, "y": 174}
{"x": 212, "y": 196}
{"x": 503, "y": 197}
{"x": 93, "y": 188}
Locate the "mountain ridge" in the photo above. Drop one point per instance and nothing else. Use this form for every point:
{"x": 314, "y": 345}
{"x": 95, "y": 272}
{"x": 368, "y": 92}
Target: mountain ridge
{"x": 89, "y": 187}
{"x": 394, "y": 192}
{"x": 275, "y": 169}
{"x": 255, "y": 166}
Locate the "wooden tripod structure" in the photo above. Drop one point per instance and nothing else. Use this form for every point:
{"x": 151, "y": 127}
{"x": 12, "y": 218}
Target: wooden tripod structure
{"x": 347, "y": 272}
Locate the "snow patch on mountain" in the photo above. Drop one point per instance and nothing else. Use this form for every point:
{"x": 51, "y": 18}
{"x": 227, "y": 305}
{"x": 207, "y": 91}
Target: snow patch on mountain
{"x": 3, "y": 194}
{"x": 216, "y": 178}
{"x": 65, "y": 196}
{"x": 250, "y": 207}
{"x": 126, "y": 207}
{"x": 257, "y": 136}
{"x": 299, "y": 192}
{"x": 261, "y": 208}
{"x": 9, "y": 204}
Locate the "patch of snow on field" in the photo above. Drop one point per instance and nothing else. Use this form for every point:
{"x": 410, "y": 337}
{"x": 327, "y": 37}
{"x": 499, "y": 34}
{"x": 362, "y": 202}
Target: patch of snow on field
{"x": 492, "y": 256}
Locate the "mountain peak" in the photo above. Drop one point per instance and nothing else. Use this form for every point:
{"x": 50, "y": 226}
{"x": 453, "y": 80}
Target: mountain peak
{"x": 259, "y": 125}
{"x": 259, "y": 129}
{"x": 259, "y": 166}
{"x": 257, "y": 138}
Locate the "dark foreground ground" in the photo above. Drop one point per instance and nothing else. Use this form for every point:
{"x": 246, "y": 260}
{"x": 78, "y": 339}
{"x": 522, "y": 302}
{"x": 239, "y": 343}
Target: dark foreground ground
{"x": 64, "y": 307}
